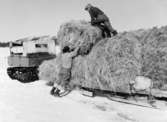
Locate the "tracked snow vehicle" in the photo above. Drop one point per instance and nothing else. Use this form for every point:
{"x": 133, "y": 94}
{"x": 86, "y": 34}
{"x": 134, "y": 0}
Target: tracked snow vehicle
{"x": 27, "y": 54}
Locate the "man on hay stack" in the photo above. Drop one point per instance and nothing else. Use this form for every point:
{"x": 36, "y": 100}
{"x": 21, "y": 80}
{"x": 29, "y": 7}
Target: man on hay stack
{"x": 99, "y": 19}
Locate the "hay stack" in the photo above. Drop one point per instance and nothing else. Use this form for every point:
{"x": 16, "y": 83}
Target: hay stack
{"x": 111, "y": 64}
{"x": 48, "y": 70}
{"x": 142, "y": 52}
{"x": 78, "y": 33}
{"x": 154, "y": 55}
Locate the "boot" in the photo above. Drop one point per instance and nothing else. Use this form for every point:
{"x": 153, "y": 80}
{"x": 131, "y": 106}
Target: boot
{"x": 54, "y": 91}
{"x": 63, "y": 93}
{"x": 114, "y": 32}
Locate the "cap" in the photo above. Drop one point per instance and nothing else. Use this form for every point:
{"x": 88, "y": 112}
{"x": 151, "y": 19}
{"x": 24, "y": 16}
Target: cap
{"x": 88, "y": 6}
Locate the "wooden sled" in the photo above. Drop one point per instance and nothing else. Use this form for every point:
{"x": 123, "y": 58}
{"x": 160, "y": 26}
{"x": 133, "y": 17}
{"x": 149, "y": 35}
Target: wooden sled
{"x": 125, "y": 98}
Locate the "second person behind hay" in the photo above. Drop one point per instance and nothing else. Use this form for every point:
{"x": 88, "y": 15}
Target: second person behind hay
{"x": 61, "y": 85}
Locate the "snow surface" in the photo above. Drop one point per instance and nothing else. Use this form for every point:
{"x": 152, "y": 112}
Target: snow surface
{"x": 33, "y": 103}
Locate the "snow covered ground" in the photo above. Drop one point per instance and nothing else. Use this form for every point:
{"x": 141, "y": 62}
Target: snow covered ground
{"x": 33, "y": 103}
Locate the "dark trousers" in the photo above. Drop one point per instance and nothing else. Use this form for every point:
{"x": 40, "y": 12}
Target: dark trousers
{"x": 104, "y": 24}
{"x": 64, "y": 76}
{"x": 105, "y": 31}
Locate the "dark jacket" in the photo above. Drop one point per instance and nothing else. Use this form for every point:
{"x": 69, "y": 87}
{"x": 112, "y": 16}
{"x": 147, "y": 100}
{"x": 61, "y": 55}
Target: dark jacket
{"x": 94, "y": 12}
{"x": 97, "y": 16}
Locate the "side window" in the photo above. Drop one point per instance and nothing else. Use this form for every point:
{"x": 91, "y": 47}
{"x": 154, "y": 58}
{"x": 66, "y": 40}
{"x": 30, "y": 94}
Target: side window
{"x": 41, "y": 45}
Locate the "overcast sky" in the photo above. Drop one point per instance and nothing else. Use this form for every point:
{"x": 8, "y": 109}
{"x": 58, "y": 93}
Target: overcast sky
{"x": 22, "y": 18}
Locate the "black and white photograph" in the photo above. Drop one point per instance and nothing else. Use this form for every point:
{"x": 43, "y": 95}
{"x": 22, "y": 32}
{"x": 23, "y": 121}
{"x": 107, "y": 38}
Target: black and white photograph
{"x": 83, "y": 60}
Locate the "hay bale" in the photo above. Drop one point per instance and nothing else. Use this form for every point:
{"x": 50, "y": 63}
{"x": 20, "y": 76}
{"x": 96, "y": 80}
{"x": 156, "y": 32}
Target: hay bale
{"x": 78, "y": 34}
{"x": 48, "y": 70}
{"x": 111, "y": 64}
{"x": 154, "y": 56}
